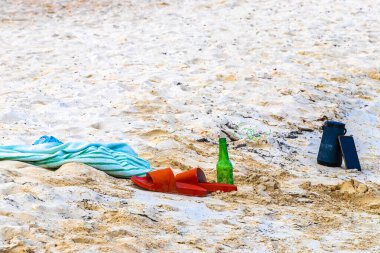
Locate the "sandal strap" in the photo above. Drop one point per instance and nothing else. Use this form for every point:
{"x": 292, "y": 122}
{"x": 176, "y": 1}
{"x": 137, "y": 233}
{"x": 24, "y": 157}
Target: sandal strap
{"x": 193, "y": 176}
{"x": 163, "y": 180}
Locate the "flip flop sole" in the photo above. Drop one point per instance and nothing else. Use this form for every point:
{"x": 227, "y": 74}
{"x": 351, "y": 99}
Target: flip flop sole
{"x": 213, "y": 187}
{"x": 190, "y": 189}
{"x": 181, "y": 188}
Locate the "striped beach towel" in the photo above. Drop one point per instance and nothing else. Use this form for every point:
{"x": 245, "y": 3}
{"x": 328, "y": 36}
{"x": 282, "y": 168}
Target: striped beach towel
{"x": 116, "y": 159}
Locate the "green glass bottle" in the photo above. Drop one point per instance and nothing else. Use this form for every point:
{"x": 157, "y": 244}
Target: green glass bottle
{"x": 224, "y": 166}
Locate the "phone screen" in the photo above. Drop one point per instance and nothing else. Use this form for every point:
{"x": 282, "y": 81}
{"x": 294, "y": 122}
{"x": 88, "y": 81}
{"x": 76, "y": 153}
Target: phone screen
{"x": 350, "y": 156}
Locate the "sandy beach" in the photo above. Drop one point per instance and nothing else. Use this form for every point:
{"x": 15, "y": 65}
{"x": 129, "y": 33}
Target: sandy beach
{"x": 167, "y": 77}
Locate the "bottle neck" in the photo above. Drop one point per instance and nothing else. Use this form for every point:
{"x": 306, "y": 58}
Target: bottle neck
{"x": 223, "y": 152}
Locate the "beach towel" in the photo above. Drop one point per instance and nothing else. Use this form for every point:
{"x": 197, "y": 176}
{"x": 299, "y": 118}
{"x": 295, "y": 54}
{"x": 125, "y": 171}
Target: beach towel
{"x": 116, "y": 159}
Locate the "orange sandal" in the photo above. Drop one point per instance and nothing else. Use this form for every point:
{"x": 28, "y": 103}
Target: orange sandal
{"x": 164, "y": 181}
{"x": 197, "y": 177}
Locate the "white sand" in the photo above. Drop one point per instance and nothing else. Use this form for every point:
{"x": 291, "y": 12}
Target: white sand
{"x": 162, "y": 75}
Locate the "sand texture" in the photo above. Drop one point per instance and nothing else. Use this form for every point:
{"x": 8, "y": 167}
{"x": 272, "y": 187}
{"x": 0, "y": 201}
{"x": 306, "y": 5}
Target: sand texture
{"x": 168, "y": 77}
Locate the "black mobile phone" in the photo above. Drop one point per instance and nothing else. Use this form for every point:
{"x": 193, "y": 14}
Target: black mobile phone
{"x": 350, "y": 156}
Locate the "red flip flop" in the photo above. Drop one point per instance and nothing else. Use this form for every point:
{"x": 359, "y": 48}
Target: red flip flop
{"x": 197, "y": 177}
{"x": 164, "y": 181}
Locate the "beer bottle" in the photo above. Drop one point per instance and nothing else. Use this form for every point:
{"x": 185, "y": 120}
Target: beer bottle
{"x": 224, "y": 165}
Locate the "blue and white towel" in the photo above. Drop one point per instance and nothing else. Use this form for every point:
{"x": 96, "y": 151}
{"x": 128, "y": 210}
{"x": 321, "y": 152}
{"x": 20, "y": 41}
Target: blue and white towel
{"x": 116, "y": 159}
